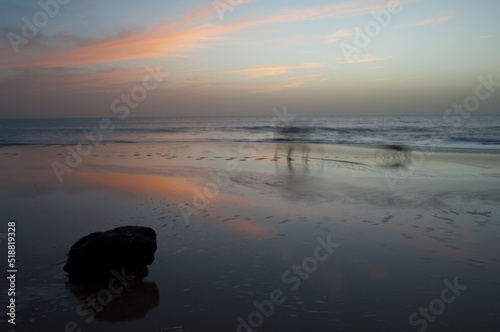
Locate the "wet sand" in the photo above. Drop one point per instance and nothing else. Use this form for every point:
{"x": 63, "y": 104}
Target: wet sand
{"x": 232, "y": 221}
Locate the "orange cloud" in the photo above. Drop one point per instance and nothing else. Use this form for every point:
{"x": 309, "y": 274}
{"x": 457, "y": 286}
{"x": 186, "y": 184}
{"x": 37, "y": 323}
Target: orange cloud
{"x": 167, "y": 40}
{"x": 343, "y": 9}
{"x": 178, "y": 38}
{"x": 162, "y": 41}
{"x": 274, "y": 70}
{"x": 197, "y": 80}
{"x": 436, "y": 20}
{"x": 340, "y": 34}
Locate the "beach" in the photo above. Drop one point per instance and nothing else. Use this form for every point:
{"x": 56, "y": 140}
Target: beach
{"x": 338, "y": 238}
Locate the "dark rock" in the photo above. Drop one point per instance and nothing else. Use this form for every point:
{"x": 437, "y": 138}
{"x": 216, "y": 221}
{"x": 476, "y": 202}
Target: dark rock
{"x": 96, "y": 255}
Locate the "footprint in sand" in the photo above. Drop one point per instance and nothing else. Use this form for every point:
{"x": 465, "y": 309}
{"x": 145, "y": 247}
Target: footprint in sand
{"x": 386, "y": 219}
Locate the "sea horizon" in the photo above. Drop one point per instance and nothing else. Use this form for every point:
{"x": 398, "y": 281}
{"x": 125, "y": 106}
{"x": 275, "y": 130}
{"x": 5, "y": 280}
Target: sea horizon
{"x": 425, "y": 131}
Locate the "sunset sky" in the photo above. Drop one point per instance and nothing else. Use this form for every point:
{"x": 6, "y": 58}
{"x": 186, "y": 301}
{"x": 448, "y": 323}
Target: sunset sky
{"x": 245, "y": 57}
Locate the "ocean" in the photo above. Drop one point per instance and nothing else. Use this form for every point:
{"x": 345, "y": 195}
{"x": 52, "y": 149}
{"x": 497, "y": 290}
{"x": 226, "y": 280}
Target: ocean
{"x": 475, "y": 132}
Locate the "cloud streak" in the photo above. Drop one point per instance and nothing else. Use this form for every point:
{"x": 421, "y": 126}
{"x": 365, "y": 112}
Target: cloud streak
{"x": 339, "y": 10}
{"x": 340, "y": 34}
{"x": 436, "y": 20}
{"x": 274, "y": 70}
{"x": 292, "y": 82}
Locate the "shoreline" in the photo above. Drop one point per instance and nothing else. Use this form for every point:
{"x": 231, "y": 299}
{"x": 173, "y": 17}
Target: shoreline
{"x": 425, "y": 148}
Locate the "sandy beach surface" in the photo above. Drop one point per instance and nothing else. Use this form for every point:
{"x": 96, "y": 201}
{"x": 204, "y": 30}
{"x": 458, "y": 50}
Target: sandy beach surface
{"x": 351, "y": 239}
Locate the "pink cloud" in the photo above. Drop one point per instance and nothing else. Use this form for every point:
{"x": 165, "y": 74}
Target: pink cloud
{"x": 163, "y": 41}
{"x": 343, "y": 9}
{"x": 274, "y": 70}
{"x": 436, "y": 20}
{"x": 340, "y": 34}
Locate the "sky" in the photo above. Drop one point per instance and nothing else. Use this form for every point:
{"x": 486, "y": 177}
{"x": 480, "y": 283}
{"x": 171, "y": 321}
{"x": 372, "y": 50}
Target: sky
{"x": 88, "y": 58}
